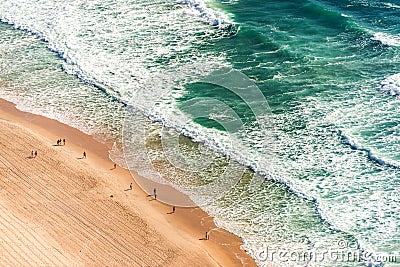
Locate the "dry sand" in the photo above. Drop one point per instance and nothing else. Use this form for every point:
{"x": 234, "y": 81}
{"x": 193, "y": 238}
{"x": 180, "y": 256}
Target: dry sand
{"x": 60, "y": 210}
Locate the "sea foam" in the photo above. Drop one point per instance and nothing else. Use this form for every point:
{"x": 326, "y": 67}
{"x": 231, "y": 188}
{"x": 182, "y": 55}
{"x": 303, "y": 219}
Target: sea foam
{"x": 391, "y": 85}
{"x": 371, "y": 155}
{"x": 199, "y": 10}
{"x": 387, "y": 39}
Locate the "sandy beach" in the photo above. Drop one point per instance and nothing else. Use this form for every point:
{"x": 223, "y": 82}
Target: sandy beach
{"x": 59, "y": 209}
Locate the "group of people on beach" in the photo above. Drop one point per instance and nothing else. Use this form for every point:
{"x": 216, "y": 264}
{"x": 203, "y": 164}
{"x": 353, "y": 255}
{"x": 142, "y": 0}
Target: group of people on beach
{"x": 61, "y": 142}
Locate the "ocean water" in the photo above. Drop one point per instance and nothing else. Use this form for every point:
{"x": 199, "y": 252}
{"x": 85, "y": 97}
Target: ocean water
{"x": 280, "y": 119}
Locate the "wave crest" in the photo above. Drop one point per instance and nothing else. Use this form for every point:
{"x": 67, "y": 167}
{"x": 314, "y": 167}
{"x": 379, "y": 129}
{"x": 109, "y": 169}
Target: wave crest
{"x": 354, "y": 145}
{"x": 202, "y": 12}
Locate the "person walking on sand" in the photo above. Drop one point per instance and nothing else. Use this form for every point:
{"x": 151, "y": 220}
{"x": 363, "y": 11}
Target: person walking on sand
{"x": 131, "y": 186}
{"x": 173, "y": 209}
{"x": 155, "y": 193}
{"x": 64, "y": 141}
{"x": 84, "y": 154}
{"x": 115, "y": 165}
{"x": 35, "y": 154}
{"x": 32, "y": 154}
{"x": 207, "y": 235}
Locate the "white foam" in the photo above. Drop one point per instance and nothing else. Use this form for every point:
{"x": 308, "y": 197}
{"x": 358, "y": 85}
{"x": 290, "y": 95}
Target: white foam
{"x": 392, "y": 5}
{"x": 200, "y": 10}
{"x": 387, "y": 39}
{"x": 371, "y": 155}
{"x": 391, "y": 84}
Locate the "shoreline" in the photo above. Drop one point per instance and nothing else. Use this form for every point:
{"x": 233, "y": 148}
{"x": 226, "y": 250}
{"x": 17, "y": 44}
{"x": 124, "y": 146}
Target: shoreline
{"x": 223, "y": 248}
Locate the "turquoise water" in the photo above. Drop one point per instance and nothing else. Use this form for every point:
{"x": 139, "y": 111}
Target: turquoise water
{"x": 319, "y": 124}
